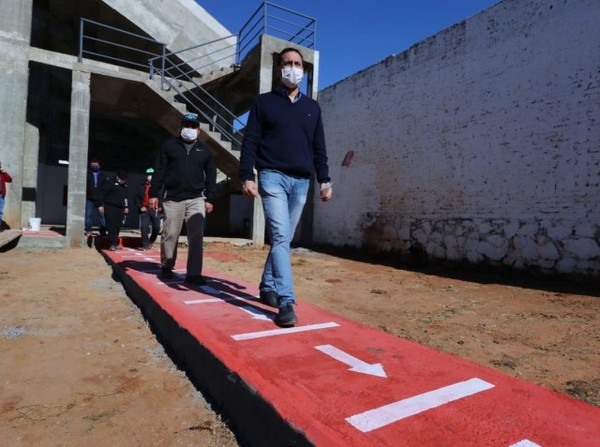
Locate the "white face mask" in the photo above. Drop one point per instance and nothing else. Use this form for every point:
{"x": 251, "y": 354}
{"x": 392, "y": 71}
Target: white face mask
{"x": 292, "y": 76}
{"x": 189, "y": 134}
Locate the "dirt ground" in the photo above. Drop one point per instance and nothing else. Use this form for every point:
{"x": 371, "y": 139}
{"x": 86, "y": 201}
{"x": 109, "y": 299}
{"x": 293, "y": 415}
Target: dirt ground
{"x": 79, "y": 365}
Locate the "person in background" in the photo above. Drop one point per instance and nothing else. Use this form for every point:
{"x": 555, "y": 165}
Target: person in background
{"x": 285, "y": 141}
{"x": 115, "y": 207}
{"x": 186, "y": 178}
{"x": 96, "y": 184}
{"x": 149, "y": 218}
{"x": 4, "y": 179}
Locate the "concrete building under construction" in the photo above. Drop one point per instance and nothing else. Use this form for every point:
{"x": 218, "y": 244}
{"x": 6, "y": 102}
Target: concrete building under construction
{"x": 477, "y": 145}
{"x": 110, "y": 79}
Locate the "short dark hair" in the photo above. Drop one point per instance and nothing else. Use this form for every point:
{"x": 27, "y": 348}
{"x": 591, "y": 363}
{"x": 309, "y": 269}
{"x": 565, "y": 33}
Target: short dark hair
{"x": 287, "y": 50}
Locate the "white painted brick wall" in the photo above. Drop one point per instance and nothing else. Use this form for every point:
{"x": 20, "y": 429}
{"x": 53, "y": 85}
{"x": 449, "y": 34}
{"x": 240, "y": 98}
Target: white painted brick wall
{"x": 480, "y": 143}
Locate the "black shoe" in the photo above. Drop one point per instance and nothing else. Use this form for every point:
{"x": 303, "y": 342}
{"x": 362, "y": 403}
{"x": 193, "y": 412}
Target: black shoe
{"x": 286, "y": 316}
{"x": 195, "y": 279}
{"x": 165, "y": 273}
{"x": 269, "y": 298}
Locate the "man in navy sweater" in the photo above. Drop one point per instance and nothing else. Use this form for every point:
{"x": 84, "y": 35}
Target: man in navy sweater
{"x": 186, "y": 175}
{"x": 284, "y": 140}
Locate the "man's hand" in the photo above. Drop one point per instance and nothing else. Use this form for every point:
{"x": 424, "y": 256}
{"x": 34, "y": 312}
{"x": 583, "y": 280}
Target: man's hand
{"x": 208, "y": 207}
{"x": 326, "y": 191}
{"x": 153, "y": 203}
{"x": 143, "y": 209}
{"x": 101, "y": 209}
{"x": 249, "y": 189}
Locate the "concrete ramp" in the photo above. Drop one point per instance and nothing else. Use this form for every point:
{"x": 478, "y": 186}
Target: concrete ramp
{"x": 330, "y": 381}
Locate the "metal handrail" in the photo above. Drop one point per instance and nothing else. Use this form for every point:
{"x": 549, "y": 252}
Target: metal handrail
{"x": 175, "y": 70}
{"x": 141, "y": 53}
{"x": 175, "y": 81}
{"x": 189, "y": 62}
{"x": 261, "y": 22}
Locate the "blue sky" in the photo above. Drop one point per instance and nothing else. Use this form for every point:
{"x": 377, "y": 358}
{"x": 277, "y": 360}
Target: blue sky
{"x": 351, "y": 36}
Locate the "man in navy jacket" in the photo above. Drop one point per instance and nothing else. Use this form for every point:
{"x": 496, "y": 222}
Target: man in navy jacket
{"x": 284, "y": 140}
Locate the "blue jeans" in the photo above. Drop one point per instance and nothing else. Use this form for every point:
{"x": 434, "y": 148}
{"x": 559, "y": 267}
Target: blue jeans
{"x": 91, "y": 211}
{"x": 283, "y": 198}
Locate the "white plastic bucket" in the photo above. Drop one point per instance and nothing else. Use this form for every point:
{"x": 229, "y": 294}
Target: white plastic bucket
{"x": 35, "y": 223}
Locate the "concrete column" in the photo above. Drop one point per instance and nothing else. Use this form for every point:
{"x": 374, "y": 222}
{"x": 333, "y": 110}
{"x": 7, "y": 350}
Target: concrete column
{"x": 31, "y": 149}
{"x": 15, "y": 29}
{"x": 78, "y": 153}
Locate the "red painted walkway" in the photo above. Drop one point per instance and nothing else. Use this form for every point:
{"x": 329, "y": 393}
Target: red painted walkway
{"x": 340, "y": 383}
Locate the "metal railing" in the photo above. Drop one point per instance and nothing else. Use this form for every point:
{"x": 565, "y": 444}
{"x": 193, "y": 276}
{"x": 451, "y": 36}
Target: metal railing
{"x": 106, "y": 43}
{"x": 203, "y": 56}
{"x": 276, "y": 21}
{"x": 178, "y": 76}
{"x": 180, "y": 71}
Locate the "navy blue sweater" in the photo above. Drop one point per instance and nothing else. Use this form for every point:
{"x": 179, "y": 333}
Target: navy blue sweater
{"x": 284, "y": 136}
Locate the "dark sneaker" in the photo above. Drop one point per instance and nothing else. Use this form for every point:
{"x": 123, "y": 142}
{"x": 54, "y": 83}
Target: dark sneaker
{"x": 286, "y": 316}
{"x": 165, "y": 273}
{"x": 269, "y": 298}
{"x": 195, "y": 279}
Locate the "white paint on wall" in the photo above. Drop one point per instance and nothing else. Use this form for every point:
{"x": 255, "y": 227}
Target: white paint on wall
{"x": 480, "y": 143}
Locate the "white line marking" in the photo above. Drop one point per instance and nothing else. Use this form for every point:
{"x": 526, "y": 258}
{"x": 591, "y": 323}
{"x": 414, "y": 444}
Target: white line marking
{"x": 257, "y": 314}
{"x": 273, "y": 332}
{"x": 171, "y": 281}
{"x": 357, "y": 365}
{"x": 525, "y": 443}
{"x": 209, "y": 289}
{"x": 387, "y": 414}
{"x": 204, "y": 301}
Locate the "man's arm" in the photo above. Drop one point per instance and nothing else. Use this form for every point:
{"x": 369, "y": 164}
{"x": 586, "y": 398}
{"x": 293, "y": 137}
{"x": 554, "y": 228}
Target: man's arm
{"x": 320, "y": 152}
{"x": 252, "y": 135}
{"x": 5, "y": 175}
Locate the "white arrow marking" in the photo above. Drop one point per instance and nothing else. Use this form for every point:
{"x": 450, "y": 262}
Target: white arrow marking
{"x": 357, "y": 365}
{"x": 387, "y": 414}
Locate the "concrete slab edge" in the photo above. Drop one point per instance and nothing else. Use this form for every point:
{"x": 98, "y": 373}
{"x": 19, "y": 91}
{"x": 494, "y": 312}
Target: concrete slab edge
{"x": 253, "y": 420}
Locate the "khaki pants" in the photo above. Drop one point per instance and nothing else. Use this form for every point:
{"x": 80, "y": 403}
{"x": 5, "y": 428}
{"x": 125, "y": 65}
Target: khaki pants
{"x": 193, "y": 212}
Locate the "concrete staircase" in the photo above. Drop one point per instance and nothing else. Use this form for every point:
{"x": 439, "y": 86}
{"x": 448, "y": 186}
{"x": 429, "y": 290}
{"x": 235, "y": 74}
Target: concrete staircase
{"x": 179, "y": 25}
